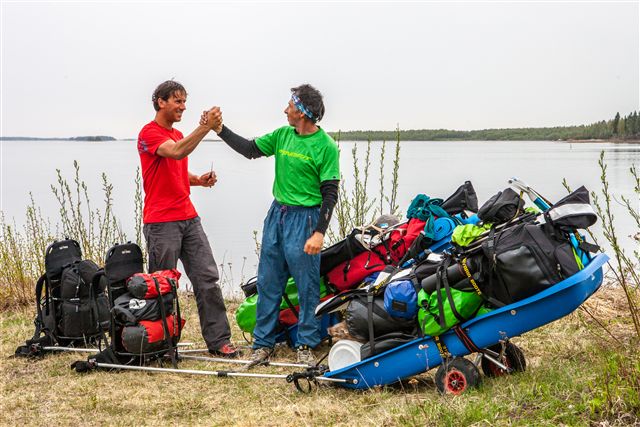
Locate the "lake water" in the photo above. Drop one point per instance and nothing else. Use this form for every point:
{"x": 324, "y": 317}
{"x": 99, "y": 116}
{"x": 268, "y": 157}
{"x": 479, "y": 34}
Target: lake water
{"x": 236, "y": 206}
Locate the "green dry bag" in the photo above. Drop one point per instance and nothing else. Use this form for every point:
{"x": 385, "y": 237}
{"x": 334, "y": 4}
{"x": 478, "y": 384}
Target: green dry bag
{"x": 466, "y": 304}
{"x": 246, "y": 312}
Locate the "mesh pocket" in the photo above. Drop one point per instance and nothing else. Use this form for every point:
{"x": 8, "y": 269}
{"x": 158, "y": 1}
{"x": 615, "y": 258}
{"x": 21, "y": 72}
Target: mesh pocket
{"x": 77, "y": 320}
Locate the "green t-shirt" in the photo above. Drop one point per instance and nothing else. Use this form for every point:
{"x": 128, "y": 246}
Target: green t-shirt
{"x": 302, "y": 163}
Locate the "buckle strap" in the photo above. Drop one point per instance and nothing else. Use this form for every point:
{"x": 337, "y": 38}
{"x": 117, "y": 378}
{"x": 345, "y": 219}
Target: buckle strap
{"x": 466, "y": 341}
{"x": 442, "y": 348}
{"x": 465, "y": 269}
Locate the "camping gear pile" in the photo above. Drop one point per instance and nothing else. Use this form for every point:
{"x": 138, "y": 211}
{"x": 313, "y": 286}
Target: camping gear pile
{"x": 82, "y": 303}
{"x": 516, "y": 258}
{"x": 149, "y": 310}
{"x": 407, "y": 296}
{"x": 518, "y": 255}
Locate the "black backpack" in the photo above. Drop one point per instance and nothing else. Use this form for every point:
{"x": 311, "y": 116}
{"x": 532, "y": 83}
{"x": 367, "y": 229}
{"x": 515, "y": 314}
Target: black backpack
{"x": 70, "y": 308}
{"x": 463, "y": 199}
{"x": 84, "y": 309}
{"x": 501, "y": 207}
{"x": 128, "y": 334}
{"x": 528, "y": 258}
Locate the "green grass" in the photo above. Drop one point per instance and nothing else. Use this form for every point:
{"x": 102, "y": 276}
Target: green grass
{"x": 575, "y": 376}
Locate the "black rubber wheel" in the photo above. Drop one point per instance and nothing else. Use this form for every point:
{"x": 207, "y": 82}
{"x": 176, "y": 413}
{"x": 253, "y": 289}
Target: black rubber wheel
{"x": 457, "y": 376}
{"x": 512, "y": 358}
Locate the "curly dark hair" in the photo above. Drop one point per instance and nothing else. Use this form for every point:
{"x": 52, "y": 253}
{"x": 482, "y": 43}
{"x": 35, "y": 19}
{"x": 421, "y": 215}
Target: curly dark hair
{"x": 165, "y": 90}
{"x": 311, "y": 98}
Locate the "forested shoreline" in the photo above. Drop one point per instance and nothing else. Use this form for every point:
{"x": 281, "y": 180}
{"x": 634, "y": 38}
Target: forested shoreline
{"x": 618, "y": 129}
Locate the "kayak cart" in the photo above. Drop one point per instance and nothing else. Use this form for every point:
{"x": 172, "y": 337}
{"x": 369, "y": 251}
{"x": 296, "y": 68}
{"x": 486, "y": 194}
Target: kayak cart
{"x": 488, "y": 335}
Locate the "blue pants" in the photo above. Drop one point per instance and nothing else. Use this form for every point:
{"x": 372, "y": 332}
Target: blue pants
{"x": 286, "y": 230}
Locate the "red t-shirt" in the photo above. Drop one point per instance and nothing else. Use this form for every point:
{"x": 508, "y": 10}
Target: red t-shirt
{"x": 165, "y": 180}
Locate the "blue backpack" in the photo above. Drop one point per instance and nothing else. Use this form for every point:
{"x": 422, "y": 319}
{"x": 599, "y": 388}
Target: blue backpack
{"x": 401, "y": 299}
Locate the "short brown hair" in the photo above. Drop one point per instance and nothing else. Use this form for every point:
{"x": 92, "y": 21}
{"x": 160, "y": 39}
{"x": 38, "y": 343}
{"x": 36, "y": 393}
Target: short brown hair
{"x": 165, "y": 90}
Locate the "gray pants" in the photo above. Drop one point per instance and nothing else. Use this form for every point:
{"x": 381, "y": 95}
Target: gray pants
{"x": 185, "y": 240}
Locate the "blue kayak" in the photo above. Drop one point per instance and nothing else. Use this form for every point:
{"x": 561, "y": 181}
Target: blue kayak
{"x": 421, "y": 354}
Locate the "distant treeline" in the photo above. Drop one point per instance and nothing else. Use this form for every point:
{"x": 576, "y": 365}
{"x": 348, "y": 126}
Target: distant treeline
{"x": 619, "y": 128}
{"x": 73, "y": 138}
{"x": 93, "y": 138}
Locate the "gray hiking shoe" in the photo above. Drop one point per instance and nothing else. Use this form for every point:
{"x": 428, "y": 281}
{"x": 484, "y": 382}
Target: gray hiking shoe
{"x": 259, "y": 356}
{"x": 305, "y": 355}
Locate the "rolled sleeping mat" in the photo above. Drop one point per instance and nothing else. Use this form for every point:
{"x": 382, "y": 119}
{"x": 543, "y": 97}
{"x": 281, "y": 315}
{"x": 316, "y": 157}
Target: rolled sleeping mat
{"x": 143, "y": 285}
{"x": 148, "y": 336}
{"x": 455, "y": 274}
{"x": 443, "y": 227}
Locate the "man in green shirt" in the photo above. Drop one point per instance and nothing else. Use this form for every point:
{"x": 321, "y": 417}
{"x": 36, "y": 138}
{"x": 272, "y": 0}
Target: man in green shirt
{"x": 305, "y": 190}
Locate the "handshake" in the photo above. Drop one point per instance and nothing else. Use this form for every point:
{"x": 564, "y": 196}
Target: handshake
{"x": 212, "y": 119}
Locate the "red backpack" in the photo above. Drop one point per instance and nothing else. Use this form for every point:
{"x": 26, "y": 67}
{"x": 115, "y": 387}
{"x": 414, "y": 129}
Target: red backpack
{"x": 352, "y": 272}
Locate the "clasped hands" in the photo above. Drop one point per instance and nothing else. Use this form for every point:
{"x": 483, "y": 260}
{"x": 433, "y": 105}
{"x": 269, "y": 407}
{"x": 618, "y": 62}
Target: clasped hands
{"x": 212, "y": 119}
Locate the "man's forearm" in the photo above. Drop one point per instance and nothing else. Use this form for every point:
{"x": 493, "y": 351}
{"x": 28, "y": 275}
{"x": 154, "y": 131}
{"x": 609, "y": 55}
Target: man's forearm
{"x": 186, "y": 145}
{"x": 329, "y": 191}
{"x": 241, "y": 145}
{"x": 194, "y": 179}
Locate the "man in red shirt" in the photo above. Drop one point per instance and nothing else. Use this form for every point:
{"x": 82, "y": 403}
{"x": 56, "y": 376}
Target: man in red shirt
{"x": 172, "y": 226}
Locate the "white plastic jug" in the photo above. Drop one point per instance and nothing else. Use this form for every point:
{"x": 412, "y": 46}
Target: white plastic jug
{"x": 344, "y": 353}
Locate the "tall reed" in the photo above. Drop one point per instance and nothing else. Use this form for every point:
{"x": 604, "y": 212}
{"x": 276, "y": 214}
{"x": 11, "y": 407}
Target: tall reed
{"x": 96, "y": 229}
{"x": 18, "y": 256}
{"x": 625, "y": 266}
{"x": 357, "y": 207}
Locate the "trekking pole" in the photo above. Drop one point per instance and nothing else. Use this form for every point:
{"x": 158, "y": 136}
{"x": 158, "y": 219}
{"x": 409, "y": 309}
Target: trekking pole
{"x": 290, "y": 377}
{"x": 535, "y": 197}
{"x": 202, "y": 350}
{"x": 194, "y": 350}
{"x": 72, "y": 349}
{"x": 241, "y": 362}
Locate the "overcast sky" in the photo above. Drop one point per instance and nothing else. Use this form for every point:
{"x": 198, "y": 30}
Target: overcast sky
{"x": 88, "y": 68}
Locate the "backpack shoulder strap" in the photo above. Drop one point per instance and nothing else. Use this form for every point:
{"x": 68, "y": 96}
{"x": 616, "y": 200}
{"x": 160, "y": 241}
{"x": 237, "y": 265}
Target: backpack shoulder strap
{"x": 370, "y": 305}
{"x": 43, "y": 282}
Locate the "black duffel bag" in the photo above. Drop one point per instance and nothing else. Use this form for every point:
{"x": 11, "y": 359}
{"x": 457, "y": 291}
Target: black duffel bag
{"x": 357, "y": 318}
{"x": 529, "y": 258}
{"x": 384, "y": 343}
{"x": 501, "y": 207}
